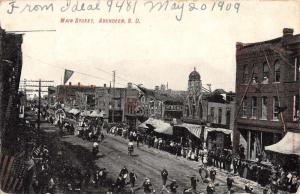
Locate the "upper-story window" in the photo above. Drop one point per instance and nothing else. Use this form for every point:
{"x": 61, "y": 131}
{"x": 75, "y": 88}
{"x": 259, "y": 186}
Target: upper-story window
{"x": 296, "y": 69}
{"x": 254, "y": 78}
{"x": 212, "y": 114}
{"x": 244, "y": 108}
{"x": 265, "y": 73}
{"x": 296, "y": 110}
{"x": 245, "y": 74}
{"x": 253, "y": 107}
{"x": 264, "y": 107}
{"x": 275, "y": 108}
{"x": 277, "y": 71}
{"x": 220, "y": 116}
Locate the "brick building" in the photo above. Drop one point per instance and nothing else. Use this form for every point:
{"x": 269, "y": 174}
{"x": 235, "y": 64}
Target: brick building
{"x": 119, "y": 104}
{"x": 66, "y": 94}
{"x": 10, "y": 72}
{"x": 267, "y": 91}
{"x": 160, "y": 104}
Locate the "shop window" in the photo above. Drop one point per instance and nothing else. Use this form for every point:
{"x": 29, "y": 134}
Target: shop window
{"x": 244, "y": 108}
{"x": 275, "y": 108}
{"x": 277, "y": 71}
{"x": 264, "y": 107}
{"x": 265, "y": 73}
{"x": 245, "y": 74}
{"x": 296, "y": 111}
{"x": 220, "y": 116}
{"x": 253, "y": 107}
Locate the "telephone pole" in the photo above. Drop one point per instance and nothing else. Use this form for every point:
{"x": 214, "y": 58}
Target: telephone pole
{"x": 113, "y": 105}
{"x": 32, "y": 84}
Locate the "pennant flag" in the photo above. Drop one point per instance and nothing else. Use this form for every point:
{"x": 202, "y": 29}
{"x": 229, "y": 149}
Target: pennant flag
{"x": 68, "y": 75}
{"x": 12, "y": 171}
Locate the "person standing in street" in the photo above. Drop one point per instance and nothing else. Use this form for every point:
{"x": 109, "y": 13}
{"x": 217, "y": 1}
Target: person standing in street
{"x": 212, "y": 174}
{"x": 194, "y": 181}
{"x": 230, "y": 182}
{"x": 202, "y": 172}
{"x": 210, "y": 188}
{"x": 147, "y": 186}
{"x": 164, "y": 176}
{"x": 132, "y": 178}
{"x": 173, "y": 186}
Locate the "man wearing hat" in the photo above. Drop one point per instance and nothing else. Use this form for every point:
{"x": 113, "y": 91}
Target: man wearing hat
{"x": 164, "y": 176}
{"x": 210, "y": 188}
{"x": 147, "y": 186}
{"x": 202, "y": 171}
{"x": 230, "y": 182}
{"x": 212, "y": 174}
{"x": 132, "y": 178}
{"x": 194, "y": 181}
{"x": 173, "y": 186}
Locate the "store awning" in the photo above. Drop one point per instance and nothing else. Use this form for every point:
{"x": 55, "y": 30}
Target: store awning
{"x": 160, "y": 126}
{"x": 85, "y": 113}
{"x": 143, "y": 125}
{"x": 194, "y": 129}
{"x": 74, "y": 111}
{"x": 97, "y": 113}
{"x": 67, "y": 109}
{"x": 222, "y": 130}
{"x": 289, "y": 144}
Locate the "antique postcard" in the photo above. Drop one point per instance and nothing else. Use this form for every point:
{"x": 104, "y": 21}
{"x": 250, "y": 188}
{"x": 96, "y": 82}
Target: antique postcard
{"x": 149, "y": 96}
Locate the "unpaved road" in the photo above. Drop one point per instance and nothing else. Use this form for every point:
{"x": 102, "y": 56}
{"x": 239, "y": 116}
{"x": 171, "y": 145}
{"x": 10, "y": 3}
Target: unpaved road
{"x": 147, "y": 162}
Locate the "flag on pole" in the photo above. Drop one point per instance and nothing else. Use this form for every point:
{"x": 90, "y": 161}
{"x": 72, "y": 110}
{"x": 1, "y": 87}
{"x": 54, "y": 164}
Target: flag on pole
{"x": 68, "y": 74}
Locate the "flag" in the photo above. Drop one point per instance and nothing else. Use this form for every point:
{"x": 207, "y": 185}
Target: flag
{"x": 12, "y": 171}
{"x": 68, "y": 75}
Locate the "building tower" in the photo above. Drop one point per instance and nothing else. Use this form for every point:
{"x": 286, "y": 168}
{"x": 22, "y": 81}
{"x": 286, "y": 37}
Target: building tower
{"x": 194, "y": 99}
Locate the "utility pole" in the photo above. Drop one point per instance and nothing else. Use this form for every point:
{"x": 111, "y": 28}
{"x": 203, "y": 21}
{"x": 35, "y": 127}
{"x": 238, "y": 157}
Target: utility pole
{"x": 39, "y": 110}
{"x": 39, "y": 90}
{"x": 113, "y": 105}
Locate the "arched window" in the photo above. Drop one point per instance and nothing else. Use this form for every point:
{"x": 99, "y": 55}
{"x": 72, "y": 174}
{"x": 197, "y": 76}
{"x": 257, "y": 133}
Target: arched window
{"x": 245, "y": 74}
{"x": 255, "y": 76}
{"x": 265, "y": 72}
{"x": 277, "y": 71}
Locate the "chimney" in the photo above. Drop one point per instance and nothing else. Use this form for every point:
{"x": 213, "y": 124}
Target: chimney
{"x": 162, "y": 87}
{"x": 288, "y": 32}
{"x": 105, "y": 85}
{"x": 156, "y": 88}
{"x": 129, "y": 85}
{"x": 78, "y": 83}
{"x": 70, "y": 83}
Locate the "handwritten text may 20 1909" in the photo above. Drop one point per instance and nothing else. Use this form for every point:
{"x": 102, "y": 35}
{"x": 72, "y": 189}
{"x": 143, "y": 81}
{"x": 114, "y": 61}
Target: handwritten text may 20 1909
{"x": 130, "y": 6}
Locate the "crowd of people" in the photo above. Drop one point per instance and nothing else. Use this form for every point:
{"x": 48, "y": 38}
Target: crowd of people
{"x": 271, "y": 178}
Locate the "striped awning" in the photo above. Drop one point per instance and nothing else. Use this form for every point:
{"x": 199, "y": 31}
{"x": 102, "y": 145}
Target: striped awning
{"x": 194, "y": 129}
{"x": 289, "y": 144}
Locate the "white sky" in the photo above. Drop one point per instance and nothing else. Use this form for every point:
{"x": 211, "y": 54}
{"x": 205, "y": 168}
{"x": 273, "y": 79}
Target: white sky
{"x": 158, "y": 50}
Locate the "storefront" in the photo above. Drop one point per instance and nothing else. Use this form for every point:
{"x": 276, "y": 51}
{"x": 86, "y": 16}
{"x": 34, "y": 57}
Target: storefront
{"x": 190, "y": 134}
{"x": 218, "y": 138}
{"x": 256, "y": 142}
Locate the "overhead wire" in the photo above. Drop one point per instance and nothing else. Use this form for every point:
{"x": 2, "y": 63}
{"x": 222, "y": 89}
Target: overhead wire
{"x": 79, "y": 72}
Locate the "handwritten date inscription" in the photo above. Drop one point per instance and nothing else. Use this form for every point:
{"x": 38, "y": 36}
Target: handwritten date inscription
{"x": 130, "y": 6}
